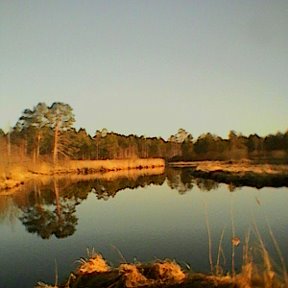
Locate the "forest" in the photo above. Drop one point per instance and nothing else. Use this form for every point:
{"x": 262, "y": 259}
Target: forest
{"x": 47, "y": 133}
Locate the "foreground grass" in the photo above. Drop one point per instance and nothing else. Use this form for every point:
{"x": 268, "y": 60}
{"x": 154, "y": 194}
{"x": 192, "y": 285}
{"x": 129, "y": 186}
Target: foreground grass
{"x": 263, "y": 272}
{"x": 94, "y": 272}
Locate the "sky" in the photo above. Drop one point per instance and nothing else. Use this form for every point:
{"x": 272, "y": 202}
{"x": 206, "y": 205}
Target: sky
{"x": 148, "y": 67}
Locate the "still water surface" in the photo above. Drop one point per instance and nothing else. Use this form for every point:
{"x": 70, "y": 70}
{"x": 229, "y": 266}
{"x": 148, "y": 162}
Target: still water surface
{"x": 49, "y": 226}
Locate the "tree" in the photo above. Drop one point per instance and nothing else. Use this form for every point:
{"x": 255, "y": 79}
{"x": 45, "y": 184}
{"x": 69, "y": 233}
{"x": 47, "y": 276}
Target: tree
{"x": 61, "y": 119}
{"x": 254, "y": 144}
{"x": 32, "y": 123}
{"x": 38, "y": 122}
{"x": 181, "y": 136}
{"x": 204, "y": 143}
{"x": 82, "y": 144}
{"x": 187, "y": 148}
{"x": 238, "y": 145}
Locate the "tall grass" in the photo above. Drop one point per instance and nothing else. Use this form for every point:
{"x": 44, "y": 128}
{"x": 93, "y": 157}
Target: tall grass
{"x": 254, "y": 273}
{"x": 209, "y": 238}
{"x": 279, "y": 253}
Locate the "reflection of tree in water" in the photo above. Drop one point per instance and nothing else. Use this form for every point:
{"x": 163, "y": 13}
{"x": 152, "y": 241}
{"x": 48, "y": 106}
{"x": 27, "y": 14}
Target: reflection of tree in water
{"x": 206, "y": 184}
{"x": 50, "y": 218}
{"x": 51, "y": 209}
{"x": 45, "y": 222}
{"x": 104, "y": 189}
{"x": 180, "y": 179}
{"x": 9, "y": 212}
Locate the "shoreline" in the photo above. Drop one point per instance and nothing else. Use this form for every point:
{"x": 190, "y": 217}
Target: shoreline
{"x": 16, "y": 176}
{"x": 232, "y": 166}
{"x": 241, "y": 173}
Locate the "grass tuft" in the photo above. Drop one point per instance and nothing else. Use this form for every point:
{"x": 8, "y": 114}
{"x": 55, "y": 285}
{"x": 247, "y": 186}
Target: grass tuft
{"x": 131, "y": 276}
{"x": 168, "y": 271}
{"x": 95, "y": 263}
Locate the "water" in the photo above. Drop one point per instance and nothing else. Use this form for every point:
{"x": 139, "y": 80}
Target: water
{"x": 46, "y": 227}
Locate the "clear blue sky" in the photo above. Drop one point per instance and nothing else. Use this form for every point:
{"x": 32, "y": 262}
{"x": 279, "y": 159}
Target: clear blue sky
{"x": 148, "y": 67}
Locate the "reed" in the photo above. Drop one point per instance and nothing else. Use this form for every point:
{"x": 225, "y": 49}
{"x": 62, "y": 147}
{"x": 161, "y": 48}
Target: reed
{"x": 253, "y": 274}
{"x": 209, "y": 238}
{"x": 219, "y": 270}
{"x": 279, "y": 253}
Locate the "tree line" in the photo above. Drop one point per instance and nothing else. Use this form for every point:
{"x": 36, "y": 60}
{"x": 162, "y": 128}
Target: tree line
{"x": 47, "y": 132}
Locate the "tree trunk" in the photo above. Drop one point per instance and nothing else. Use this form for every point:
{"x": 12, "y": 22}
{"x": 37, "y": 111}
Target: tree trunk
{"x": 55, "y": 150}
{"x": 38, "y": 146}
{"x": 9, "y": 146}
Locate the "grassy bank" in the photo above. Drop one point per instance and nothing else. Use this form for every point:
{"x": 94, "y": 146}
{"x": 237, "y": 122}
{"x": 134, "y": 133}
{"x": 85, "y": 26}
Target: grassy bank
{"x": 242, "y": 173}
{"x": 94, "y": 272}
{"x": 233, "y": 167}
{"x": 13, "y": 175}
{"x": 88, "y": 167}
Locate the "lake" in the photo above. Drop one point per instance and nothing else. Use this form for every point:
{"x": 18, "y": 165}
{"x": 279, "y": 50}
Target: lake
{"x": 46, "y": 227}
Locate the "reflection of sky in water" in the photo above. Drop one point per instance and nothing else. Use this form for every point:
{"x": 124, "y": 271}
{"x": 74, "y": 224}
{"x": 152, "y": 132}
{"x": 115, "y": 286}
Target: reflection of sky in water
{"x": 146, "y": 223}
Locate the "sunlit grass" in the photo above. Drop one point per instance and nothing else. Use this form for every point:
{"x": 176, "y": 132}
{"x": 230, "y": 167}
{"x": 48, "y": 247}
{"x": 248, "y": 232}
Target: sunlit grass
{"x": 95, "y": 272}
{"x": 13, "y": 174}
{"x": 94, "y": 263}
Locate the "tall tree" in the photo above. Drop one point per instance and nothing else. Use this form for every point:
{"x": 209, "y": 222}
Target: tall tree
{"x": 61, "y": 119}
{"x": 32, "y": 122}
{"x": 58, "y": 118}
{"x": 238, "y": 149}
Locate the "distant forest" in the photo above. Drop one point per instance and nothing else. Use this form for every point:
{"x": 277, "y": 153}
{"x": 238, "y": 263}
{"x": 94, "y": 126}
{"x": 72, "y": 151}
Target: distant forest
{"x": 47, "y": 133}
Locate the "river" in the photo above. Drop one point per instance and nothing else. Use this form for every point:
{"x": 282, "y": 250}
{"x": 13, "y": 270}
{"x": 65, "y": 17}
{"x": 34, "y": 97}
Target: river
{"x": 46, "y": 227}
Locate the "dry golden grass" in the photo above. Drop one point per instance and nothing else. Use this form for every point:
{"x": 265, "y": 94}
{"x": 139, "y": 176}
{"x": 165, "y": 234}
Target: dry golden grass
{"x": 132, "y": 277}
{"x": 168, "y": 271}
{"x": 241, "y": 167}
{"x": 111, "y": 165}
{"x": 95, "y": 264}
{"x": 94, "y": 271}
{"x": 12, "y": 175}
{"x": 234, "y": 167}
{"x": 113, "y": 175}
{"x": 46, "y": 167}
{"x": 157, "y": 273}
